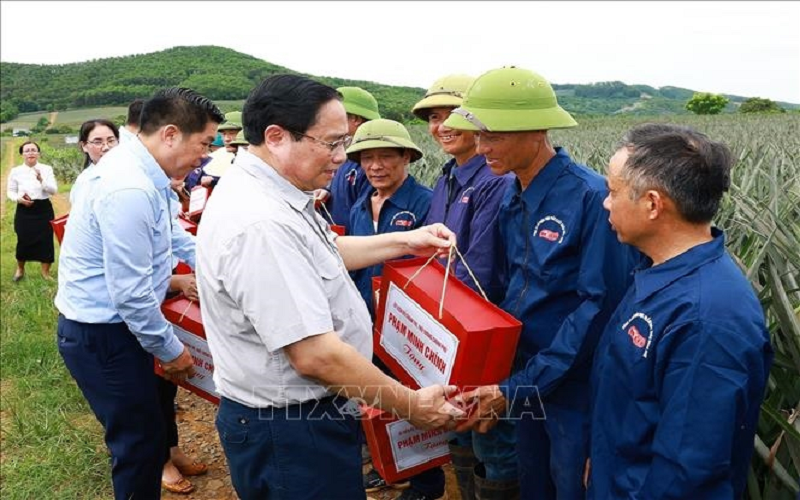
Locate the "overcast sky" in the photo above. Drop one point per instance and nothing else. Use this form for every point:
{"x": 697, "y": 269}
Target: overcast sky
{"x": 742, "y": 48}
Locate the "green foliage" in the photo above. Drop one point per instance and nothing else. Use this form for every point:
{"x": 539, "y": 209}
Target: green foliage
{"x": 759, "y": 105}
{"x": 8, "y": 111}
{"x": 40, "y": 125}
{"x": 67, "y": 161}
{"x": 223, "y": 74}
{"x": 705, "y": 103}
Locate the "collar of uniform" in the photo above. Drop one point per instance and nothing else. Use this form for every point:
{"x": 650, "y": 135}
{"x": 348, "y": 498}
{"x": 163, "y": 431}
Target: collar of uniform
{"x": 544, "y": 180}
{"x": 268, "y": 176}
{"x": 652, "y": 279}
{"x": 148, "y": 163}
{"x": 468, "y": 170}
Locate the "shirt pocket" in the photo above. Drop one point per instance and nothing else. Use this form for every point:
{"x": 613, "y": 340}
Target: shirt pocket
{"x": 334, "y": 282}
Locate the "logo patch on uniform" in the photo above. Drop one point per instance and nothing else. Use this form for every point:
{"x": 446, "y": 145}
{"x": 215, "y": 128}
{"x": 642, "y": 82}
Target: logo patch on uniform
{"x": 550, "y": 228}
{"x": 350, "y": 177}
{"x": 639, "y": 329}
{"x": 466, "y": 194}
{"x": 404, "y": 219}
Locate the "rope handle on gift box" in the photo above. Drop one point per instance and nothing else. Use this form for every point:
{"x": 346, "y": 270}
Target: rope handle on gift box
{"x": 447, "y": 274}
{"x": 325, "y": 209}
{"x": 180, "y": 320}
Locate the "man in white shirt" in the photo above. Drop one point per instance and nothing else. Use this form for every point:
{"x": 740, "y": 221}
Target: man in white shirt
{"x": 289, "y": 333}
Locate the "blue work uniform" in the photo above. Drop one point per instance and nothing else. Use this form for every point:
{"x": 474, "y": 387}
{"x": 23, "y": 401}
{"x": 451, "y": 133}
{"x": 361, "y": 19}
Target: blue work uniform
{"x": 348, "y": 184}
{"x": 403, "y": 211}
{"x": 467, "y": 200}
{"x": 679, "y": 377}
{"x": 567, "y": 273}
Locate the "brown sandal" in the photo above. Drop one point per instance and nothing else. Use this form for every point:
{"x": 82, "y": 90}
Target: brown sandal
{"x": 193, "y": 469}
{"x": 182, "y": 487}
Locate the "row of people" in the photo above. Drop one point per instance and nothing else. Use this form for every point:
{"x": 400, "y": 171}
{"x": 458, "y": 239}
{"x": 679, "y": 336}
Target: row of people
{"x": 298, "y": 348}
{"x": 565, "y": 268}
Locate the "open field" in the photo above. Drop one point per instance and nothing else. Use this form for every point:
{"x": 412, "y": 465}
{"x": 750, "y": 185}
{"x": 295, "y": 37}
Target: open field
{"x": 52, "y": 446}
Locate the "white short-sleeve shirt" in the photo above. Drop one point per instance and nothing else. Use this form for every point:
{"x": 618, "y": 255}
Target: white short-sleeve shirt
{"x": 269, "y": 274}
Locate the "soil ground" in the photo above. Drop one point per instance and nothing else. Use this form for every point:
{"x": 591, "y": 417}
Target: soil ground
{"x": 199, "y": 439}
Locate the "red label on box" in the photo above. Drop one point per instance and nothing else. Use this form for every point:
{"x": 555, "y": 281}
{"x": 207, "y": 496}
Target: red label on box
{"x": 188, "y": 326}
{"x": 197, "y": 200}
{"x": 400, "y": 450}
{"x": 473, "y": 342}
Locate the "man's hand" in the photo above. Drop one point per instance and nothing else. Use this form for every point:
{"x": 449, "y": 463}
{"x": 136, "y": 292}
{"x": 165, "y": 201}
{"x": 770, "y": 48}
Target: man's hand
{"x": 186, "y": 284}
{"x": 321, "y": 196}
{"x": 491, "y": 404}
{"x": 427, "y": 240}
{"x": 180, "y": 368}
{"x": 38, "y": 174}
{"x": 430, "y": 409}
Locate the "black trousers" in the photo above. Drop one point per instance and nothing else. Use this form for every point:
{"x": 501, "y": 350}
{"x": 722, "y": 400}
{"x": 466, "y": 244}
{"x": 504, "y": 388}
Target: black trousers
{"x": 166, "y": 400}
{"x": 116, "y": 377}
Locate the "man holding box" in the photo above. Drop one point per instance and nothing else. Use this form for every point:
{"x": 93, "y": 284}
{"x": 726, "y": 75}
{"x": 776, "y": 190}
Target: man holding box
{"x": 682, "y": 366}
{"x": 567, "y": 271}
{"x": 290, "y": 335}
{"x": 114, "y": 270}
{"x": 467, "y": 199}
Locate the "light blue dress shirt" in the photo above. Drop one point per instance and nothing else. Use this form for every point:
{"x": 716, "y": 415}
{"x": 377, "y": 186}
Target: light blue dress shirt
{"x": 116, "y": 257}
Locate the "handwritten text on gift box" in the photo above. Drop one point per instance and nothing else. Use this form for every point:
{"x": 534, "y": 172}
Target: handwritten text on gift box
{"x": 416, "y": 340}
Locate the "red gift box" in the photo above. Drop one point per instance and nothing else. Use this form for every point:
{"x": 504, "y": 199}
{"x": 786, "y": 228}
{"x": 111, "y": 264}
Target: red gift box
{"x": 59, "y": 226}
{"x": 187, "y": 324}
{"x": 187, "y": 224}
{"x": 197, "y": 201}
{"x": 471, "y": 344}
{"x": 400, "y": 450}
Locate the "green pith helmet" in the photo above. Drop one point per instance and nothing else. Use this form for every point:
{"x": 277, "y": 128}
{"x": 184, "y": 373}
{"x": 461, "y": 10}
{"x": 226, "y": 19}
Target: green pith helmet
{"x": 358, "y": 101}
{"x": 446, "y": 92}
{"x": 240, "y": 140}
{"x": 233, "y": 121}
{"x": 509, "y": 99}
{"x": 382, "y": 133}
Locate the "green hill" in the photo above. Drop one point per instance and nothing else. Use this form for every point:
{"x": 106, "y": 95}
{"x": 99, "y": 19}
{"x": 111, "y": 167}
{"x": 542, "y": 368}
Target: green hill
{"x": 226, "y": 75}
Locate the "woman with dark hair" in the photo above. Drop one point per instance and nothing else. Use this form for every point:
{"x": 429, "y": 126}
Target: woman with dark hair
{"x": 30, "y": 186}
{"x": 95, "y": 139}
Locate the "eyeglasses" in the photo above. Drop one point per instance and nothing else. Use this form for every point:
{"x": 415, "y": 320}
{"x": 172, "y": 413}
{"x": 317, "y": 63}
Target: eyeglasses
{"x": 26, "y": 151}
{"x": 100, "y": 142}
{"x": 344, "y": 142}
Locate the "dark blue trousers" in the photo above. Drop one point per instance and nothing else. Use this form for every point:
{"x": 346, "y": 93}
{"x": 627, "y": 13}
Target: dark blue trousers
{"x": 116, "y": 377}
{"x": 304, "y": 451}
{"x": 552, "y": 454}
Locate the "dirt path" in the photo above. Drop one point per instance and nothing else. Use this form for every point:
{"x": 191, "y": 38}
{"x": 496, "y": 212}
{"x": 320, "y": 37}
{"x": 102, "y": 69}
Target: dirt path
{"x": 8, "y": 162}
{"x": 199, "y": 439}
{"x": 52, "y": 117}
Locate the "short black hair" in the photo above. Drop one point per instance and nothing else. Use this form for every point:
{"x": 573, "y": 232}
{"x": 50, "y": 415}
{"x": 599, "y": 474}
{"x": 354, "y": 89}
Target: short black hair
{"x": 685, "y": 164}
{"x": 22, "y": 146}
{"x": 182, "y": 107}
{"x": 290, "y": 101}
{"x": 134, "y": 112}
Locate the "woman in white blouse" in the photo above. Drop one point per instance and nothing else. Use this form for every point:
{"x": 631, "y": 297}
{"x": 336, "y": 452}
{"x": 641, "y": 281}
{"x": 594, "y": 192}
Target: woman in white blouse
{"x": 30, "y": 185}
